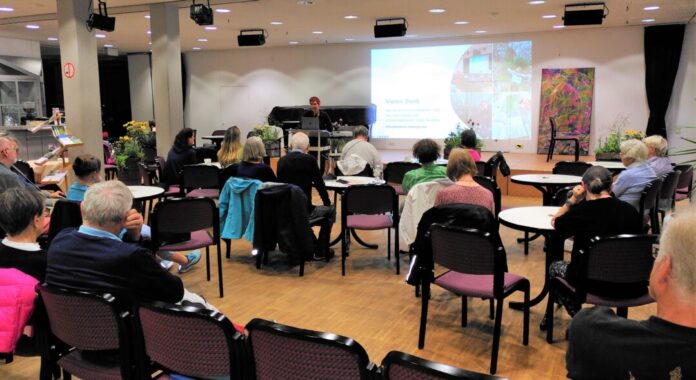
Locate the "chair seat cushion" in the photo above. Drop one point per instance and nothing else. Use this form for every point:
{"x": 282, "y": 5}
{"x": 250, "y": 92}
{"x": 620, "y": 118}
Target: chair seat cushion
{"x": 199, "y": 239}
{"x": 206, "y": 193}
{"x": 613, "y": 302}
{"x": 474, "y": 285}
{"x": 77, "y": 364}
{"x": 172, "y": 191}
{"x": 681, "y": 194}
{"x": 369, "y": 222}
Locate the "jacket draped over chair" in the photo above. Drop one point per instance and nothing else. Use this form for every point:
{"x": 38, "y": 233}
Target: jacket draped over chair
{"x": 237, "y": 208}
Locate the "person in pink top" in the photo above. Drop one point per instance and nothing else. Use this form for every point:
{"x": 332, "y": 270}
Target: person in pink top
{"x": 461, "y": 169}
{"x": 468, "y": 142}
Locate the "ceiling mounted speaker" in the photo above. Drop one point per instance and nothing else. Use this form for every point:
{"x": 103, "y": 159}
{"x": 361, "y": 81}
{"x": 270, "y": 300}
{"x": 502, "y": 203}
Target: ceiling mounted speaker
{"x": 584, "y": 14}
{"x": 390, "y": 27}
{"x": 251, "y": 37}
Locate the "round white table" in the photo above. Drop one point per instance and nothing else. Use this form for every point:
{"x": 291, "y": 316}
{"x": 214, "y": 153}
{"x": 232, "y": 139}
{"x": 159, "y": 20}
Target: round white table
{"x": 534, "y": 219}
{"x": 141, "y": 193}
{"x": 613, "y": 166}
{"x": 548, "y": 184}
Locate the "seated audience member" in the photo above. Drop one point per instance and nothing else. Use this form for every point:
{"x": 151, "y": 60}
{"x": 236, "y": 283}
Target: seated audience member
{"x": 94, "y": 258}
{"x": 461, "y": 169}
{"x": 253, "y": 166}
{"x": 468, "y": 142}
{"x": 603, "y": 345}
{"x": 360, "y": 147}
{"x": 181, "y": 154}
{"x": 657, "y": 155}
{"x": 300, "y": 169}
{"x": 590, "y": 211}
{"x": 637, "y": 175}
{"x": 427, "y": 151}
{"x": 87, "y": 173}
{"x": 22, "y": 216}
{"x": 231, "y": 150}
{"x": 10, "y": 176}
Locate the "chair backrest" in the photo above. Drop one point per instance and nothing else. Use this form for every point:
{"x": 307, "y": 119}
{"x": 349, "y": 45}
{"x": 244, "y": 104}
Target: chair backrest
{"x": 491, "y": 186}
{"x": 669, "y": 185}
{"x": 184, "y": 215}
{"x": 192, "y": 341}
{"x": 281, "y": 351}
{"x": 394, "y": 172}
{"x": 561, "y": 196}
{"x": 617, "y": 259}
{"x": 686, "y": 177}
{"x": 482, "y": 168}
{"x": 149, "y": 155}
{"x": 227, "y": 172}
{"x": 370, "y": 200}
{"x": 495, "y": 162}
{"x": 86, "y": 321}
{"x": 26, "y": 169}
{"x": 552, "y": 123}
{"x": 65, "y": 214}
{"x": 204, "y": 152}
{"x": 577, "y": 168}
{"x": 201, "y": 177}
{"x": 402, "y": 366}
{"x": 649, "y": 196}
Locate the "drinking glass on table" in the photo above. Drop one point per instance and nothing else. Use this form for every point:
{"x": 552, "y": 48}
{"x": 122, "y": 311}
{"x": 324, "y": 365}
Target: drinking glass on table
{"x": 377, "y": 173}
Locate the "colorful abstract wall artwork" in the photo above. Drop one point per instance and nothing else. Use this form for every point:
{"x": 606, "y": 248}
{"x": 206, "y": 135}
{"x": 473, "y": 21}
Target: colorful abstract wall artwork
{"x": 566, "y": 95}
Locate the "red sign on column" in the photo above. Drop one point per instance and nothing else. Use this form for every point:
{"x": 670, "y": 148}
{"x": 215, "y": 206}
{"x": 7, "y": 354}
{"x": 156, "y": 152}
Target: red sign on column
{"x": 69, "y": 70}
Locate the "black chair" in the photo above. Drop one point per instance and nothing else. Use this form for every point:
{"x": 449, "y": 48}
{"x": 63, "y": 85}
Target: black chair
{"x": 648, "y": 205}
{"x": 89, "y": 322}
{"x": 369, "y": 207}
{"x": 555, "y": 138}
{"x": 491, "y": 186}
{"x": 66, "y": 214}
{"x": 482, "y": 168}
{"x": 667, "y": 192}
{"x": 191, "y": 218}
{"x": 285, "y": 352}
{"x": 615, "y": 261}
{"x": 685, "y": 183}
{"x": 494, "y": 164}
{"x": 476, "y": 267}
{"x": 203, "y": 153}
{"x": 201, "y": 181}
{"x": 399, "y": 365}
{"x": 191, "y": 341}
{"x": 394, "y": 174}
{"x": 577, "y": 168}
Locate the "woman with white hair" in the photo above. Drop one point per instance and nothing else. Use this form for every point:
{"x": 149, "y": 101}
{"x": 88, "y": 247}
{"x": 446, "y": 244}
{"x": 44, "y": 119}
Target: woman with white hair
{"x": 637, "y": 175}
{"x": 657, "y": 155}
{"x": 253, "y": 165}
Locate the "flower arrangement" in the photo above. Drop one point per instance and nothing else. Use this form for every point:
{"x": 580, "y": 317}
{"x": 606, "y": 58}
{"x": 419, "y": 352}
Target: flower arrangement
{"x": 267, "y": 133}
{"x": 453, "y": 139}
{"x": 130, "y": 145}
{"x": 611, "y": 144}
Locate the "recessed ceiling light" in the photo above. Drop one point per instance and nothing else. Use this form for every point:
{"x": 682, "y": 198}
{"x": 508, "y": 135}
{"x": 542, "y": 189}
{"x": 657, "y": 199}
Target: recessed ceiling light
{"x": 536, "y": 2}
{"x": 276, "y": 23}
{"x": 411, "y": 36}
{"x": 349, "y": 39}
{"x": 202, "y": 40}
{"x": 548, "y": 16}
{"x": 437, "y": 10}
{"x": 100, "y": 35}
{"x": 32, "y": 26}
{"x": 461, "y": 22}
{"x": 108, "y": 45}
{"x": 147, "y": 17}
{"x": 648, "y": 20}
{"x": 149, "y": 32}
{"x": 317, "y": 32}
{"x": 559, "y": 26}
{"x": 211, "y": 27}
{"x": 480, "y": 31}
{"x": 293, "y": 42}
{"x": 6, "y": 9}
{"x": 651, "y": 8}
{"x": 350, "y": 17}
{"x": 196, "y": 48}
{"x": 222, "y": 10}
{"x": 149, "y": 42}
{"x": 52, "y": 39}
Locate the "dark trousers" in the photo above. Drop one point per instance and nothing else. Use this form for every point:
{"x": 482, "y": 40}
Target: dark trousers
{"x": 323, "y": 216}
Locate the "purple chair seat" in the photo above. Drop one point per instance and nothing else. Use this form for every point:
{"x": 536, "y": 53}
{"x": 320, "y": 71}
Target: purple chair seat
{"x": 474, "y": 285}
{"x": 611, "y": 302}
{"x": 172, "y": 191}
{"x": 199, "y": 239}
{"x": 76, "y": 364}
{"x": 369, "y": 222}
{"x": 206, "y": 193}
{"x": 681, "y": 194}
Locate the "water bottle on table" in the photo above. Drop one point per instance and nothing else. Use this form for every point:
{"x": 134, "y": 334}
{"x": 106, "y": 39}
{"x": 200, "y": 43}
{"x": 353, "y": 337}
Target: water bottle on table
{"x": 377, "y": 173}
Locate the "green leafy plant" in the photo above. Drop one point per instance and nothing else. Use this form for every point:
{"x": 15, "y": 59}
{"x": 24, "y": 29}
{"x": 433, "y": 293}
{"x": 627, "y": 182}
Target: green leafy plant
{"x": 267, "y": 133}
{"x": 612, "y": 142}
{"x": 130, "y": 145}
{"x": 686, "y": 151}
{"x": 453, "y": 139}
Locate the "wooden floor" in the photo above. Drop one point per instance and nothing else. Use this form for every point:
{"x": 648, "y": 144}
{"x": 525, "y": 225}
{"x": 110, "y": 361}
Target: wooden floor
{"x": 378, "y": 309}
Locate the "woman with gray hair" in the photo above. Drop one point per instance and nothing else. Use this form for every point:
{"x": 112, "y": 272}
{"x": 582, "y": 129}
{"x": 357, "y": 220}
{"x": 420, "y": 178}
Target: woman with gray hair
{"x": 252, "y": 165}
{"x": 657, "y": 155}
{"x": 637, "y": 175}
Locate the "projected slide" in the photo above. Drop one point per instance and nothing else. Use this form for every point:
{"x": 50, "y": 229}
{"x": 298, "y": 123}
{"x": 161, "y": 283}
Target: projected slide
{"x": 426, "y": 91}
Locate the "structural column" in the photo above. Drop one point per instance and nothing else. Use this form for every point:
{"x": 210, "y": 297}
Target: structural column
{"x": 166, "y": 74}
{"x": 78, "y": 58}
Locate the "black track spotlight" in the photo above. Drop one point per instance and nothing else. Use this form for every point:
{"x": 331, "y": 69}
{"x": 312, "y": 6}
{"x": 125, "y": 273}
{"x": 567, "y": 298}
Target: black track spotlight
{"x": 202, "y": 14}
{"x": 251, "y": 37}
{"x": 101, "y": 21}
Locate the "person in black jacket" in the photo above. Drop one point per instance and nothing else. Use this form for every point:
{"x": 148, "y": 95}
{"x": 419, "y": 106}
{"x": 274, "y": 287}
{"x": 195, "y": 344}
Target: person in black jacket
{"x": 299, "y": 168}
{"x": 253, "y": 166}
{"x": 181, "y": 154}
{"x": 324, "y": 119}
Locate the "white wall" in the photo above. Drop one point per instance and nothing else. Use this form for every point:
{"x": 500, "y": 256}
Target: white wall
{"x": 340, "y": 75}
{"x": 140, "y": 81}
{"x": 19, "y": 48}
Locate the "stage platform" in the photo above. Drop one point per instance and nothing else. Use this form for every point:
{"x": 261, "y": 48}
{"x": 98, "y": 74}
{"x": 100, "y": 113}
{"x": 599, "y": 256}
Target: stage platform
{"x": 519, "y": 163}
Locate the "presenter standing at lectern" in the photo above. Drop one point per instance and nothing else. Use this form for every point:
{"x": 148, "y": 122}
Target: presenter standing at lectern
{"x": 324, "y": 119}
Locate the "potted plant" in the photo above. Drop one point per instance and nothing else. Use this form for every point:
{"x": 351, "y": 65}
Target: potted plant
{"x": 128, "y": 151}
{"x": 608, "y": 148}
{"x": 270, "y": 135}
{"x": 453, "y": 139}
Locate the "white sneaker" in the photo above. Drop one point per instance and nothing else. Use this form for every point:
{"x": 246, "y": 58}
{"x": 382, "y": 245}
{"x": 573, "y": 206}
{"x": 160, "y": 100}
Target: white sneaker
{"x": 166, "y": 264}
